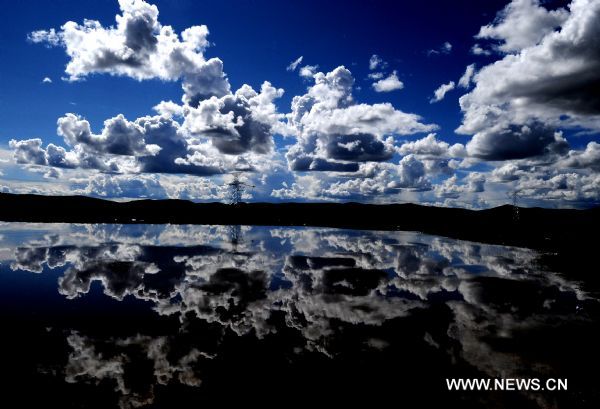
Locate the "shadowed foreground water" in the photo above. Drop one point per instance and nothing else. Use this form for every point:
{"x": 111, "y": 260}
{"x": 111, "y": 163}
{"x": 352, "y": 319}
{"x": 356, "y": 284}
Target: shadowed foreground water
{"x": 182, "y": 316}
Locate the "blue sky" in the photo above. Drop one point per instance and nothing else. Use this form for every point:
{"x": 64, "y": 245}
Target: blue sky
{"x": 522, "y": 135}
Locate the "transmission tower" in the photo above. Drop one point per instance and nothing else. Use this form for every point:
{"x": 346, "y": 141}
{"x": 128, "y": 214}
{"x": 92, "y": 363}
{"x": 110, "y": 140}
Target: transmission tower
{"x": 514, "y": 196}
{"x": 236, "y": 189}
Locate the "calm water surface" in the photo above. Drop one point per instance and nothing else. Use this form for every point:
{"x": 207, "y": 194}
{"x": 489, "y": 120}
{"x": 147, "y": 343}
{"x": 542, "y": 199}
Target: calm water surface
{"x": 187, "y": 316}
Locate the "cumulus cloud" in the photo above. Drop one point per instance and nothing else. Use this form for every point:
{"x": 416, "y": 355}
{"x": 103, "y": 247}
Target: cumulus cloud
{"x": 29, "y": 151}
{"x": 334, "y": 132}
{"x": 52, "y": 173}
{"x": 222, "y": 134}
{"x": 358, "y": 147}
{"x": 196, "y": 189}
{"x": 545, "y": 80}
{"x": 516, "y": 142}
{"x": 440, "y": 93}
{"x": 559, "y": 185}
{"x": 589, "y": 158}
{"x": 119, "y": 136}
{"x": 47, "y": 80}
{"x": 140, "y": 47}
{"x": 508, "y": 172}
{"x": 237, "y": 123}
{"x": 370, "y": 179}
{"x": 175, "y": 148}
{"x": 49, "y": 37}
{"x": 169, "y": 109}
{"x": 522, "y": 24}
{"x": 412, "y": 174}
{"x": 431, "y": 146}
{"x": 573, "y": 180}
{"x": 553, "y": 76}
{"x": 212, "y": 131}
{"x": 148, "y": 144}
{"x": 308, "y": 71}
{"x": 474, "y": 182}
{"x": 390, "y": 83}
{"x": 126, "y": 186}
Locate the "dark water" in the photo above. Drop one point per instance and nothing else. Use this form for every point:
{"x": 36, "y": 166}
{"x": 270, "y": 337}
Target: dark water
{"x": 188, "y": 316}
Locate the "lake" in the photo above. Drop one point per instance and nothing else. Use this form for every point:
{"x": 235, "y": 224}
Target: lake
{"x": 185, "y": 315}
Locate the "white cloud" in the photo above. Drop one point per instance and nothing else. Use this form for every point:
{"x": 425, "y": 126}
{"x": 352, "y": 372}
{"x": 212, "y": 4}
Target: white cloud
{"x": 376, "y": 62}
{"x": 148, "y": 144}
{"x": 516, "y": 142}
{"x": 48, "y": 37}
{"x": 308, "y": 71}
{"x": 375, "y": 75}
{"x": 237, "y": 123}
{"x": 390, "y": 83}
{"x": 169, "y": 109}
{"x": 382, "y": 178}
{"x": 440, "y": 93}
{"x": 194, "y": 189}
{"x": 124, "y": 186}
{"x": 438, "y": 156}
{"x": 522, "y": 24}
{"x": 294, "y": 64}
{"x": 371, "y": 180}
{"x": 218, "y": 130}
{"x": 52, "y": 173}
{"x": 142, "y": 48}
{"x": 474, "y": 182}
{"x": 589, "y": 158}
{"x": 47, "y": 80}
{"x": 559, "y": 185}
{"x": 234, "y": 132}
{"x": 545, "y": 78}
{"x": 550, "y": 83}
{"x": 508, "y": 172}
{"x": 119, "y": 136}
{"x": 29, "y": 151}
{"x": 334, "y": 133}
{"x": 478, "y": 50}
{"x": 445, "y": 48}
{"x": 467, "y": 77}
{"x": 431, "y": 146}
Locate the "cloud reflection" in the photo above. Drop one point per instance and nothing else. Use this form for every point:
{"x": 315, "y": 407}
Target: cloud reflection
{"x": 317, "y": 283}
